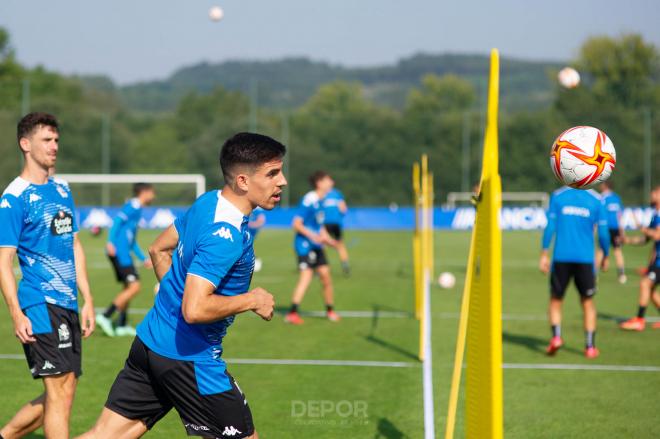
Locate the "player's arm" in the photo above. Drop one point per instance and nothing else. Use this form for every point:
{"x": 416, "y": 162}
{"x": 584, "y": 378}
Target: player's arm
{"x": 548, "y": 234}
{"x": 651, "y": 233}
{"x": 326, "y": 238}
{"x": 258, "y": 222}
{"x": 137, "y": 251}
{"x": 117, "y": 223}
{"x": 343, "y": 207}
{"x": 603, "y": 235}
{"x": 87, "y": 314}
{"x": 22, "y": 325}
{"x": 201, "y": 305}
{"x": 161, "y": 251}
{"x": 299, "y": 227}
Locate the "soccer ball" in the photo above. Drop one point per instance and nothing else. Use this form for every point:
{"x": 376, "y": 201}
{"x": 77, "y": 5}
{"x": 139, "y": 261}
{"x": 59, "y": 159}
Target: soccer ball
{"x": 216, "y": 13}
{"x": 582, "y": 157}
{"x": 446, "y": 280}
{"x": 569, "y": 77}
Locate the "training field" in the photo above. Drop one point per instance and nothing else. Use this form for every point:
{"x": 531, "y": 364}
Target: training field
{"x": 614, "y": 396}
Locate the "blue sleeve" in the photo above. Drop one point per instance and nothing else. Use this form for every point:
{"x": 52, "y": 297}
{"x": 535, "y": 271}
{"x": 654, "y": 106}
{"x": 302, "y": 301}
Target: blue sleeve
{"x": 216, "y": 251}
{"x": 550, "y": 228}
{"x": 603, "y": 230}
{"x": 138, "y": 251}
{"x": 73, "y": 210}
{"x": 303, "y": 210}
{"x": 116, "y": 225}
{"x": 11, "y": 218}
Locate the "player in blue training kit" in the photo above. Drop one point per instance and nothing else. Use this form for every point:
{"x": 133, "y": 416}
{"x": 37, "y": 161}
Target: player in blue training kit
{"x": 204, "y": 262}
{"x": 572, "y": 217}
{"x": 38, "y": 224}
{"x": 311, "y": 235}
{"x": 614, "y": 209}
{"x": 334, "y": 210}
{"x": 649, "y": 283}
{"x": 122, "y": 241}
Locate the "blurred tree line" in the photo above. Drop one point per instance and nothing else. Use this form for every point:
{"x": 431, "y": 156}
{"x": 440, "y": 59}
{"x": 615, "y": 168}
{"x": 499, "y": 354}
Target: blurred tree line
{"x": 368, "y": 147}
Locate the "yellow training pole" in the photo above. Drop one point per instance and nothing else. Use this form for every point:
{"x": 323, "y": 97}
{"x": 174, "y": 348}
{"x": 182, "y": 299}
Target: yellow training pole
{"x": 424, "y": 253}
{"x": 417, "y": 263}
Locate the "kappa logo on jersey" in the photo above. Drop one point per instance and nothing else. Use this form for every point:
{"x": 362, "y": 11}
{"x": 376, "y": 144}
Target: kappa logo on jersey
{"x": 224, "y": 232}
{"x": 62, "y": 223}
{"x": 5, "y": 204}
{"x": 230, "y": 431}
{"x": 34, "y": 197}
{"x": 62, "y": 192}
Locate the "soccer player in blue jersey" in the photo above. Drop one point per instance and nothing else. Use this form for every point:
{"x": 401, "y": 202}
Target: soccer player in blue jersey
{"x": 334, "y": 210}
{"x": 38, "y": 225}
{"x": 310, "y": 238}
{"x": 649, "y": 283}
{"x": 614, "y": 208}
{"x": 572, "y": 217}
{"x": 122, "y": 241}
{"x": 204, "y": 262}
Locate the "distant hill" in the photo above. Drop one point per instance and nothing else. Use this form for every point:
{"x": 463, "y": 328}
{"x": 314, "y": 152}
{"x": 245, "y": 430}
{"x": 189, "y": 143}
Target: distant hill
{"x": 289, "y": 82}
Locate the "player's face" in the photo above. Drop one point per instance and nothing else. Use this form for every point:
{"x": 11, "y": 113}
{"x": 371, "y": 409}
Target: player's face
{"x": 265, "y": 185}
{"x": 147, "y": 196}
{"x": 325, "y": 185}
{"x": 42, "y": 145}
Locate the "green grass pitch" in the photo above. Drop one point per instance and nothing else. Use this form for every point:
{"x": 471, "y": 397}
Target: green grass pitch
{"x": 386, "y": 402}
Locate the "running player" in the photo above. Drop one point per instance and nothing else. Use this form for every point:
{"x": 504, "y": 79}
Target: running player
{"x": 310, "y": 237}
{"x": 204, "y": 262}
{"x": 649, "y": 283}
{"x": 122, "y": 240}
{"x": 38, "y": 225}
{"x": 614, "y": 208}
{"x": 334, "y": 210}
{"x": 572, "y": 216}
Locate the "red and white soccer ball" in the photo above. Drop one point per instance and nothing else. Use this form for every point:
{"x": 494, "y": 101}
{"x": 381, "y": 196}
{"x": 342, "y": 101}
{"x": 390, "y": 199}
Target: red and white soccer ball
{"x": 582, "y": 157}
{"x": 569, "y": 77}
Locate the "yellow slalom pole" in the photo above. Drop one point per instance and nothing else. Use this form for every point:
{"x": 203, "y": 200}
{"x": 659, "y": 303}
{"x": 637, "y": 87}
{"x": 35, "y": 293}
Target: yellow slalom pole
{"x": 417, "y": 262}
{"x": 424, "y": 254}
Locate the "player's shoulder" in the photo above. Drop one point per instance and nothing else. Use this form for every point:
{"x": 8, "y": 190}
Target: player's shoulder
{"x": 133, "y": 204}
{"x": 226, "y": 213}
{"x": 561, "y": 191}
{"x": 16, "y": 188}
{"x": 594, "y": 194}
{"x": 310, "y": 198}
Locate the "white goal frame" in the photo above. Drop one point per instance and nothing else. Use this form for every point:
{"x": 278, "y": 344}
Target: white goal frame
{"x": 197, "y": 179}
{"x": 541, "y": 197}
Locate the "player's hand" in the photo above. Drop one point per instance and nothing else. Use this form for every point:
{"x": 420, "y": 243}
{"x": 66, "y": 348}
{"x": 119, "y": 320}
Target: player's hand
{"x": 110, "y": 249}
{"x": 23, "y": 328}
{"x": 544, "y": 263}
{"x": 148, "y": 264}
{"x": 264, "y": 303}
{"x": 605, "y": 263}
{"x": 88, "y": 319}
{"x": 316, "y": 239}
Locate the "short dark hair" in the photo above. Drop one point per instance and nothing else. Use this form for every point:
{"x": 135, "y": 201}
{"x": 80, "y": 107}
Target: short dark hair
{"x": 31, "y": 121}
{"x": 248, "y": 149}
{"x": 138, "y": 188}
{"x": 316, "y": 177}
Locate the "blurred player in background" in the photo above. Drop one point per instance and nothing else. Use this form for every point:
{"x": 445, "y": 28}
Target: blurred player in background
{"x": 572, "y": 217}
{"x": 334, "y": 210}
{"x": 204, "y": 262}
{"x": 38, "y": 225}
{"x": 310, "y": 238}
{"x": 614, "y": 209}
{"x": 256, "y": 222}
{"x": 649, "y": 283}
{"x": 122, "y": 241}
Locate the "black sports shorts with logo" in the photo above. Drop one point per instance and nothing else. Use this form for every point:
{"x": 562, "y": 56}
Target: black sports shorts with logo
{"x": 653, "y": 273}
{"x": 313, "y": 259}
{"x": 335, "y": 230}
{"x": 124, "y": 273}
{"x": 583, "y": 275}
{"x": 616, "y": 239}
{"x": 58, "y": 349}
{"x": 150, "y": 385}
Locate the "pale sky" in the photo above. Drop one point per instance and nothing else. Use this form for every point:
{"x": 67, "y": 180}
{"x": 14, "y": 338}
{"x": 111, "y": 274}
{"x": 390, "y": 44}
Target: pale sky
{"x": 131, "y": 40}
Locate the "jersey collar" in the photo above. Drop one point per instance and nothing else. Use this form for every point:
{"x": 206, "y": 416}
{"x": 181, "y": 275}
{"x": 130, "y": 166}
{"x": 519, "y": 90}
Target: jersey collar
{"x": 225, "y": 211}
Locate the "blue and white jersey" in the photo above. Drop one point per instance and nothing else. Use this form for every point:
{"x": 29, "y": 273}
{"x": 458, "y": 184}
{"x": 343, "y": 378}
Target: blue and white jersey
{"x": 333, "y": 215}
{"x": 572, "y": 216}
{"x": 614, "y": 208}
{"x": 38, "y": 220}
{"x": 655, "y": 223}
{"x": 123, "y": 234}
{"x": 311, "y": 213}
{"x": 214, "y": 244}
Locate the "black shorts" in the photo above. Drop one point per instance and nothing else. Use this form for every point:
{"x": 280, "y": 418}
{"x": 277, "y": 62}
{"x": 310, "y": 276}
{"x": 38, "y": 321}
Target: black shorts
{"x": 653, "y": 274}
{"x": 58, "y": 349}
{"x": 124, "y": 273}
{"x": 149, "y": 386}
{"x": 313, "y": 259}
{"x": 335, "y": 230}
{"x": 615, "y": 238}
{"x": 582, "y": 274}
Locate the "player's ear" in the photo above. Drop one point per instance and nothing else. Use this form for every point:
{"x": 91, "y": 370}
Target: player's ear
{"x": 242, "y": 182}
{"x": 24, "y": 144}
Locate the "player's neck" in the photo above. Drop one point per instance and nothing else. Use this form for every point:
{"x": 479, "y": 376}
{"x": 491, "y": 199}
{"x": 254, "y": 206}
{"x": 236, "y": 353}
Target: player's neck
{"x": 240, "y": 202}
{"x": 34, "y": 173}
